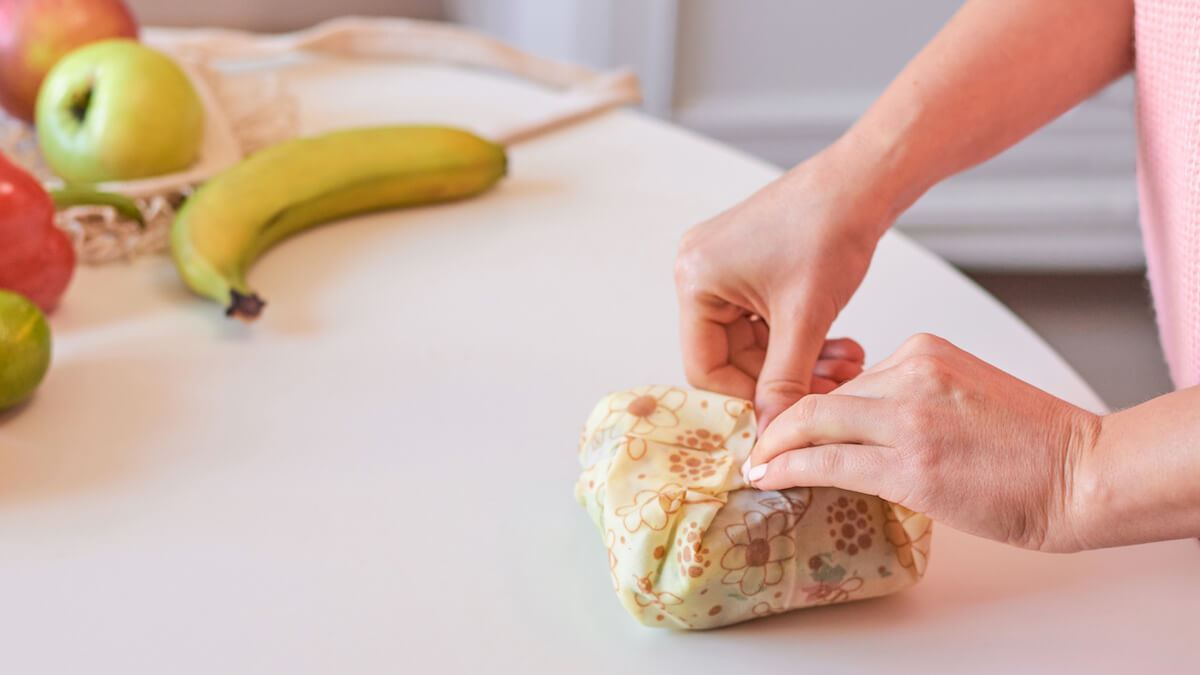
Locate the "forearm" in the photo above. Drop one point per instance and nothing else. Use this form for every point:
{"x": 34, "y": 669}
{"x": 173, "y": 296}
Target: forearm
{"x": 1140, "y": 480}
{"x": 998, "y": 71}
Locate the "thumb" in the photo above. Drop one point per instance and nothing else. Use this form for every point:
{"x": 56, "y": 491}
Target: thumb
{"x": 793, "y": 346}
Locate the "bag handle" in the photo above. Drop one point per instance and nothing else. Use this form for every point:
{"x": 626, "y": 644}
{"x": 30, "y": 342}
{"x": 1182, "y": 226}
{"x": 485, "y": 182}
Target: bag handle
{"x": 587, "y": 91}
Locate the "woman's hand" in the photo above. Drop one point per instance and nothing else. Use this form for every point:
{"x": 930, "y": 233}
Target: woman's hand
{"x": 794, "y": 253}
{"x": 760, "y": 284}
{"x": 943, "y": 433}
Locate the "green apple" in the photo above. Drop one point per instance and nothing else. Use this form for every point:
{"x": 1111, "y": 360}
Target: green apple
{"x": 118, "y": 110}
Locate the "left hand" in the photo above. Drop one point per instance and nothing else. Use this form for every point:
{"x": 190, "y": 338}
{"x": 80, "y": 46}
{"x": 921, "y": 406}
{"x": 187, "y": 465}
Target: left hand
{"x": 939, "y": 431}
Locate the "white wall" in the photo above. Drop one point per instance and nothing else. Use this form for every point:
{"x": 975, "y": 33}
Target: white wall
{"x": 600, "y": 33}
{"x": 777, "y": 46}
{"x": 782, "y": 78}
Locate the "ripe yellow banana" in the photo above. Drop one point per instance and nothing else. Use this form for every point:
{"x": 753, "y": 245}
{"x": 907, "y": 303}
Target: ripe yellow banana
{"x": 235, "y": 217}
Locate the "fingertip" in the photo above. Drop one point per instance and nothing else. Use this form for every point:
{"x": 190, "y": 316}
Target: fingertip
{"x": 822, "y": 385}
{"x": 843, "y": 348}
{"x": 756, "y": 473}
{"x": 784, "y": 471}
{"x": 838, "y": 370}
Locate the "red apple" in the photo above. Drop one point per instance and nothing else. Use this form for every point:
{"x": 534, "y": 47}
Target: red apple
{"x": 34, "y": 34}
{"x": 36, "y": 258}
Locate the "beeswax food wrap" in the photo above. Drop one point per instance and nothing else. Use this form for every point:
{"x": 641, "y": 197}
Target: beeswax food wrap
{"x": 690, "y": 545}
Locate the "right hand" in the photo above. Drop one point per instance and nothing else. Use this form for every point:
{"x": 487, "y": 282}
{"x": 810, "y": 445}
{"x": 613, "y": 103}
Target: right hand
{"x": 792, "y": 255}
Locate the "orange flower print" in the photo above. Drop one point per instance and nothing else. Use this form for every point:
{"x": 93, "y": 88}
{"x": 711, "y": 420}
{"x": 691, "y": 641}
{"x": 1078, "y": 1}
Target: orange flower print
{"x": 635, "y": 447}
{"x": 592, "y": 448}
{"x": 910, "y": 533}
{"x": 736, "y": 407}
{"x": 826, "y": 593}
{"x": 765, "y": 609}
{"x": 851, "y": 525}
{"x": 793, "y": 502}
{"x": 611, "y": 542}
{"x": 645, "y": 409}
{"x": 700, "y": 439}
{"x": 696, "y": 466}
{"x": 652, "y": 508}
{"x": 760, "y": 546}
{"x": 691, "y": 554}
{"x": 646, "y": 596}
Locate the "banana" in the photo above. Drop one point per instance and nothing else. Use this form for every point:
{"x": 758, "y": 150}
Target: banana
{"x": 236, "y": 216}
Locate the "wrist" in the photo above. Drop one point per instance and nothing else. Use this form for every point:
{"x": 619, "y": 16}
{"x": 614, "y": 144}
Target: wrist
{"x": 1084, "y": 484}
{"x": 883, "y": 173}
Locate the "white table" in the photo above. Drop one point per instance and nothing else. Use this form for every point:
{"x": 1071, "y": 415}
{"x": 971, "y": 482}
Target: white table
{"x": 376, "y": 478}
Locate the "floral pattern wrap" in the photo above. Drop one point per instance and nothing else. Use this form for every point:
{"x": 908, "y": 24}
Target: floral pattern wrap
{"x": 690, "y": 545}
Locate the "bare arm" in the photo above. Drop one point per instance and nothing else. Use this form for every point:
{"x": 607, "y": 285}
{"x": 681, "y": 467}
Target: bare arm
{"x": 935, "y": 428}
{"x": 795, "y": 252}
{"x": 941, "y": 432}
{"x": 998, "y": 71}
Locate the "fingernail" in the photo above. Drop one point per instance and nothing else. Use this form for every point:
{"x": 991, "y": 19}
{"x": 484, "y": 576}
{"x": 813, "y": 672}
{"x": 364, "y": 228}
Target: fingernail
{"x": 757, "y": 472}
{"x": 745, "y": 468}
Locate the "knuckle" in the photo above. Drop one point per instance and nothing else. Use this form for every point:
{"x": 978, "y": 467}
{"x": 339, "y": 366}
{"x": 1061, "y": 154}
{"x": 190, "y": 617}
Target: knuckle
{"x": 690, "y": 259}
{"x": 923, "y": 343}
{"x": 781, "y": 389}
{"x": 830, "y": 462}
{"x": 690, "y": 240}
{"x": 805, "y": 410}
{"x": 792, "y": 464}
{"x": 927, "y": 368}
{"x": 686, "y": 264}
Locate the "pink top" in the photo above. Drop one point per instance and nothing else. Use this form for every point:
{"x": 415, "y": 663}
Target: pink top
{"x": 1167, "y": 55}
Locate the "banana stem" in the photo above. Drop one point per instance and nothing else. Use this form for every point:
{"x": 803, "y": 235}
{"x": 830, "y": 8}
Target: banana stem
{"x": 244, "y": 307}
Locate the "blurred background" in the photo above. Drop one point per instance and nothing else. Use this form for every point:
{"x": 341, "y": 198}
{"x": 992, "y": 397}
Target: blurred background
{"x": 1049, "y": 227}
